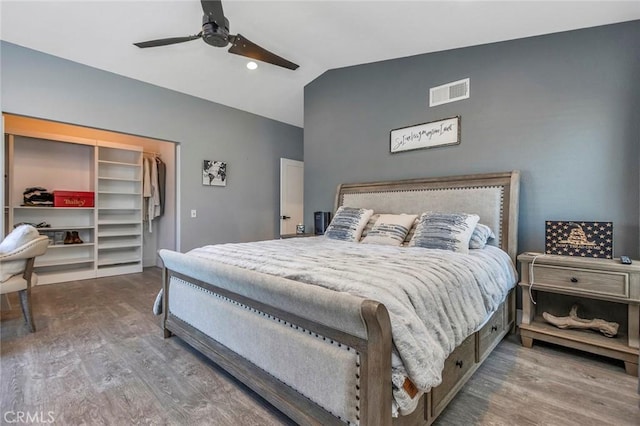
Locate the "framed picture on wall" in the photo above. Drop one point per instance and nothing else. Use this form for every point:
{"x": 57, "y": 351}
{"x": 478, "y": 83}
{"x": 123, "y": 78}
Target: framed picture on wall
{"x": 214, "y": 173}
{"x": 426, "y": 135}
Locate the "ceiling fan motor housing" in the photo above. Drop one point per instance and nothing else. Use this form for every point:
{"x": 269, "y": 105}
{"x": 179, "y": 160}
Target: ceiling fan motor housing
{"x": 213, "y": 34}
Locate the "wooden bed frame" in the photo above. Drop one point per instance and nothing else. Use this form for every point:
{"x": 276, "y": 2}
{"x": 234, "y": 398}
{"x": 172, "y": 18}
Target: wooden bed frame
{"x": 372, "y": 340}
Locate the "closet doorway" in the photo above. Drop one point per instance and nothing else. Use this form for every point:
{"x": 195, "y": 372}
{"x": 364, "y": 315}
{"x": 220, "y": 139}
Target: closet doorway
{"x": 118, "y": 235}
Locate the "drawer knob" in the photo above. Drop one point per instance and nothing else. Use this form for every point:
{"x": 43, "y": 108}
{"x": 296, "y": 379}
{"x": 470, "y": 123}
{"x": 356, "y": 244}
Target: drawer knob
{"x": 459, "y": 363}
{"x": 574, "y": 280}
{"x": 494, "y": 328}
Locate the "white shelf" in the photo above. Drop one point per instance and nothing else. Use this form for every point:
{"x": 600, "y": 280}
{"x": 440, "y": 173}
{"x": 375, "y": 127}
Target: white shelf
{"x": 118, "y": 163}
{"x": 69, "y": 246}
{"x": 64, "y": 228}
{"x": 119, "y": 193}
{"x": 119, "y": 269}
{"x": 67, "y": 218}
{"x": 51, "y": 208}
{"x": 58, "y": 262}
{"x": 118, "y": 234}
{"x": 107, "y": 262}
{"x": 114, "y": 246}
{"x": 118, "y": 222}
{"x": 119, "y": 179}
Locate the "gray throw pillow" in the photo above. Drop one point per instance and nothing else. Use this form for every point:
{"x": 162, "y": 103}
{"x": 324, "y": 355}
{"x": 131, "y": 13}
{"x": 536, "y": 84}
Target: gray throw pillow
{"x": 481, "y": 236}
{"x": 445, "y": 231}
{"x": 348, "y": 223}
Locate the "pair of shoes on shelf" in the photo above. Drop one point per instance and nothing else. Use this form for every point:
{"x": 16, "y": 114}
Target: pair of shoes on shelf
{"x": 72, "y": 238}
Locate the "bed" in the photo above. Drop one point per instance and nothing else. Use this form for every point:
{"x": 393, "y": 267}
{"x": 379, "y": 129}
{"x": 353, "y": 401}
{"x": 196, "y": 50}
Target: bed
{"x": 327, "y": 351}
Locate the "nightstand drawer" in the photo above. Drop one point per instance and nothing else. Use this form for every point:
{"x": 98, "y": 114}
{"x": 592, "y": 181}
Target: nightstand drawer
{"x": 582, "y": 280}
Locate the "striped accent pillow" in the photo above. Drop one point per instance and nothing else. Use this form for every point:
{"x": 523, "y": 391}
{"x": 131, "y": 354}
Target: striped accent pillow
{"x": 348, "y": 223}
{"x": 445, "y": 231}
{"x": 481, "y": 235}
{"x": 390, "y": 229}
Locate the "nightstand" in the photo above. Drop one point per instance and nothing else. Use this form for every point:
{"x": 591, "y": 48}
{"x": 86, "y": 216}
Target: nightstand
{"x": 601, "y": 288}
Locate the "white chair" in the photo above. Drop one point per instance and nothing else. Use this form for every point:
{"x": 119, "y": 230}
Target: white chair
{"x": 18, "y": 252}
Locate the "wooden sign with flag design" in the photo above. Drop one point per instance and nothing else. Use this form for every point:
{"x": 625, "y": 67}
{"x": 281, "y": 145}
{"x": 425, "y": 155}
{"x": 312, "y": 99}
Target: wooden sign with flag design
{"x": 578, "y": 238}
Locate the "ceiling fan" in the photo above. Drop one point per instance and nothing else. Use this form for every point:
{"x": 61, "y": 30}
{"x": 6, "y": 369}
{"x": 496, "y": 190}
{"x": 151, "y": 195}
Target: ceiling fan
{"x": 215, "y": 31}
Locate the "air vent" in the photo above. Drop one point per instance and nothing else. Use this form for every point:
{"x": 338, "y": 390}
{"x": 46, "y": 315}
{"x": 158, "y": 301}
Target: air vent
{"x": 449, "y": 92}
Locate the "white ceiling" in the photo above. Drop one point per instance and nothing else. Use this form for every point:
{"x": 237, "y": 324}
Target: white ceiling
{"x": 317, "y": 35}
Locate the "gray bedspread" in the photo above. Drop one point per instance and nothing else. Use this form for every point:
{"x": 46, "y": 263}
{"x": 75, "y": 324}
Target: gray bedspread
{"x": 435, "y": 298}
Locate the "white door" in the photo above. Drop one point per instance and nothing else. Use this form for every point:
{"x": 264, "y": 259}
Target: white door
{"x": 291, "y": 195}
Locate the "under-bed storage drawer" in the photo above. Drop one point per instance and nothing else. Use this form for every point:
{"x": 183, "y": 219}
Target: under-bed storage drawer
{"x": 456, "y": 365}
{"x": 490, "y": 332}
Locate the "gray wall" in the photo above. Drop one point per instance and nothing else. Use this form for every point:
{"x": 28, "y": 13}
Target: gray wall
{"x": 564, "y": 109}
{"x": 44, "y": 86}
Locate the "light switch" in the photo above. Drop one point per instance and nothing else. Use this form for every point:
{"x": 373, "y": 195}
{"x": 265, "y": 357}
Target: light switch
{"x": 193, "y": 213}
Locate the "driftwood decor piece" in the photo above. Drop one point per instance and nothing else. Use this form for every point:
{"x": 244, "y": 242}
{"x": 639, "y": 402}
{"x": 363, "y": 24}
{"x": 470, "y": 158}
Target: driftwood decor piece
{"x": 609, "y": 329}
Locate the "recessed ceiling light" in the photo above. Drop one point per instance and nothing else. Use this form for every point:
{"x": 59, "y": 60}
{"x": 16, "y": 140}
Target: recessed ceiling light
{"x": 252, "y": 65}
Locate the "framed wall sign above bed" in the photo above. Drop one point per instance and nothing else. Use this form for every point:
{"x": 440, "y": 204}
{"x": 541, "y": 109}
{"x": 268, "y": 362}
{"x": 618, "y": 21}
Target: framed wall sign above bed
{"x": 426, "y": 135}
{"x": 358, "y": 350}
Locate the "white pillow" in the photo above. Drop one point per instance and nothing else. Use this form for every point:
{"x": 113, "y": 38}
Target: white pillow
{"x": 481, "y": 236}
{"x": 390, "y": 229}
{"x": 17, "y": 238}
{"x": 445, "y": 231}
{"x": 412, "y": 230}
{"x": 372, "y": 221}
{"x": 348, "y": 223}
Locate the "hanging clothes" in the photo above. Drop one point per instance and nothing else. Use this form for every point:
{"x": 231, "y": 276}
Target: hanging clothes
{"x": 146, "y": 188}
{"x": 150, "y": 191}
{"x": 154, "y": 202}
{"x": 162, "y": 175}
{"x": 146, "y": 178}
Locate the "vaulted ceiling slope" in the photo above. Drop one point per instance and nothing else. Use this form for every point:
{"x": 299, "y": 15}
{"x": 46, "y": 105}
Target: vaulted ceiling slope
{"x": 317, "y": 35}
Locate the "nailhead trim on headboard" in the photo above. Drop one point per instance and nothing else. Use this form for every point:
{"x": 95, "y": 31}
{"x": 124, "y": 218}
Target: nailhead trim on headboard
{"x": 506, "y": 212}
{"x": 496, "y": 222}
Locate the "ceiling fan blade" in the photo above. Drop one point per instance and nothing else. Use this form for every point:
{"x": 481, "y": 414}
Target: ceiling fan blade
{"x": 244, "y": 47}
{"x": 213, "y": 8}
{"x": 167, "y": 41}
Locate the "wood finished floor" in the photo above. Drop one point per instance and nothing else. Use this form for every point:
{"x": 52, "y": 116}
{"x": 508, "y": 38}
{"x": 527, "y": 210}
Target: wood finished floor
{"x": 98, "y": 357}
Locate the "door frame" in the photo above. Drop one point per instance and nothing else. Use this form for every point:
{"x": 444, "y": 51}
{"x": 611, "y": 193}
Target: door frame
{"x": 283, "y": 162}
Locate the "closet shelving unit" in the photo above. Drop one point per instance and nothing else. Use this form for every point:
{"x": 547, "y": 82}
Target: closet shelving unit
{"x": 65, "y": 157}
{"x": 119, "y": 215}
{"x": 54, "y": 164}
{"x": 62, "y": 262}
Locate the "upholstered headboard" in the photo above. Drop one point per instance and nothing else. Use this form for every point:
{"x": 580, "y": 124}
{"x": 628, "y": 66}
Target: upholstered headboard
{"x": 492, "y": 196}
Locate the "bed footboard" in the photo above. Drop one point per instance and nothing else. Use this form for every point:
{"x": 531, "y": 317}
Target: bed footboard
{"x": 319, "y": 356}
